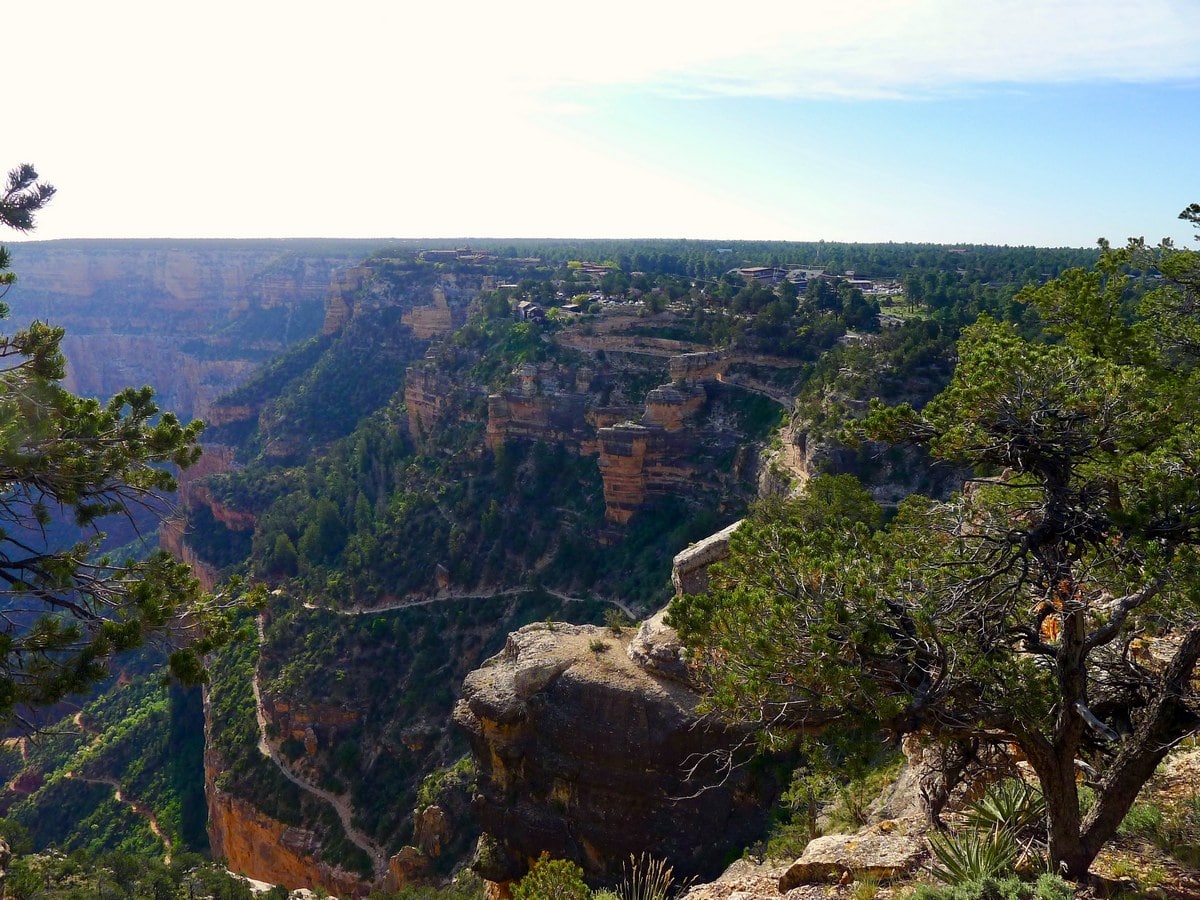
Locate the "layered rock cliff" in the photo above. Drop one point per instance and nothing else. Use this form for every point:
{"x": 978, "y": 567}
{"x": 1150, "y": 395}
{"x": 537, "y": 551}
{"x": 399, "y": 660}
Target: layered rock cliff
{"x": 191, "y": 318}
{"x": 677, "y": 440}
{"x": 435, "y": 302}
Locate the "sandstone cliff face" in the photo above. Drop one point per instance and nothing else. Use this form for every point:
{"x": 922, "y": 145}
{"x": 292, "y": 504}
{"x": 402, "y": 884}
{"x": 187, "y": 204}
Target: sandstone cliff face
{"x": 640, "y": 462}
{"x": 171, "y": 537}
{"x": 585, "y": 754}
{"x": 434, "y": 305}
{"x": 344, "y": 285}
{"x": 549, "y": 403}
{"x": 689, "y": 568}
{"x": 787, "y": 468}
{"x": 101, "y": 364}
{"x": 267, "y": 850}
{"x": 193, "y": 491}
{"x": 428, "y": 394}
{"x": 313, "y": 725}
{"x": 435, "y": 320}
{"x": 660, "y": 447}
{"x": 670, "y": 407}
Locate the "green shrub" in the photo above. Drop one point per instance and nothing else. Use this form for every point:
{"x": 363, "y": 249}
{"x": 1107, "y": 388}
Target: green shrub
{"x": 1011, "y": 805}
{"x": 1010, "y": 887}
{"x": 852, "y": 810}
{"x": 1143, "y": 820}
{"x": 807, "y": 795}
{"x": 972, "y": 856}
{"x": 1052, "y": 887}
{"x": 616, "y": 620}
{"x": 552, "y": 879}
{"x": 787, "y": 841}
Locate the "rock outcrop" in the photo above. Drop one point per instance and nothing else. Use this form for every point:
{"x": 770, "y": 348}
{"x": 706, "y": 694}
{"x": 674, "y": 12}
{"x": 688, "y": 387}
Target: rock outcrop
{"x": 434, "y": 320}
{"x": 669, "y": 407}
{"x": 694, "y": 366}
{"x": 787, "y": 467}
{"x": 427, "y": 395}
{"x": 640, "y": 462}
{"x": 344, "y": 285}
{"x": 883, "y": 851}
{"x": 585, "y": 754}
{"x": 689, "y": 568}
{"x": 549, "y": 403}
{"x": 311, "y": 725}
{"x": 171, "y": 537}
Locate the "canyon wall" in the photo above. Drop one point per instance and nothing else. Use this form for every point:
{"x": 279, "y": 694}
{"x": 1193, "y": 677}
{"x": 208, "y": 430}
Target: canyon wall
{"x": 675, "y": 441}
{"x": 190, "y": 318}
{"x": 267, "y": 850}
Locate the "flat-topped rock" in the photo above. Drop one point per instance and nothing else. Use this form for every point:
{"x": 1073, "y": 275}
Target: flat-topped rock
{"x": 583, "y": 753}
{"x": 882, "y": 851}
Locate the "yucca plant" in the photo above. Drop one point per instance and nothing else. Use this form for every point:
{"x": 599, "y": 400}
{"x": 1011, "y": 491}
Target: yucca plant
{"x": 974, "y": 855}
{"x": 1011, "y": 804}
{"x": 646, "y": 878}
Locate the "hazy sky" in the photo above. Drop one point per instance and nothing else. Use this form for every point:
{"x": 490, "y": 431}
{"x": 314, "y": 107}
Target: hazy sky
{"x": 1049, "y": 122}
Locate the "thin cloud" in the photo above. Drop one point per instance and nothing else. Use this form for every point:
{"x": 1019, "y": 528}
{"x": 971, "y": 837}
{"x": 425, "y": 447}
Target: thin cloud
{"x": 874, "y": 49}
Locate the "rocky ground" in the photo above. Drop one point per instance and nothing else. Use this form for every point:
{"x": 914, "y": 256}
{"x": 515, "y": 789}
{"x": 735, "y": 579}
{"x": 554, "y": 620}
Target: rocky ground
{"x": 888, "y": 858}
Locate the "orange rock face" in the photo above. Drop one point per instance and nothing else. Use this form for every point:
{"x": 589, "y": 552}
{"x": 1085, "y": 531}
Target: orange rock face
{"x": 233, "y": 519}
{"x": 310, "y": 724}
{"x": 637, "y": 462}
{"x": 427, "y": 394}
{"x": 172, "y": 534}
{"x": 553, "y": 418}
{"x": 266, "y": 850}
{"x": 171, "y": 539}
{"x": 339, "y": 299}
{"x": 671, "y": 405}
{"x": 436, "y": 320}
{"x": 225, "y": 414}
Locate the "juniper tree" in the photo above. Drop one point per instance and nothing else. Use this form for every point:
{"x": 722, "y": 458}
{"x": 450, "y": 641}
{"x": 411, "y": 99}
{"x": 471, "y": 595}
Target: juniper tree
{"x": 1053, "y": 604}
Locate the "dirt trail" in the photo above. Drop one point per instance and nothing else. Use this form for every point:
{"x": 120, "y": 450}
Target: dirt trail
{"x": 450, "y": 597}
{"x": 340, "y": 804}
{"x": 137, "y": 806}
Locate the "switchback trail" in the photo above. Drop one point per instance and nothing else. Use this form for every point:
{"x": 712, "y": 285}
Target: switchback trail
{"x": 339, "y": 803}
{"x": 137, "y": 806}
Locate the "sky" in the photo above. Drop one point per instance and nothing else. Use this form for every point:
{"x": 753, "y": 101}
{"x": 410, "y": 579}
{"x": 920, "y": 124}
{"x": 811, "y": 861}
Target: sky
{"x": 1044, "y": 122}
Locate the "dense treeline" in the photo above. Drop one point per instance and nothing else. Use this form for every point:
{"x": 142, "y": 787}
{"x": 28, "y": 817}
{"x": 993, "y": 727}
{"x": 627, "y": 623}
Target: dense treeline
{"x": 710, "y": 259}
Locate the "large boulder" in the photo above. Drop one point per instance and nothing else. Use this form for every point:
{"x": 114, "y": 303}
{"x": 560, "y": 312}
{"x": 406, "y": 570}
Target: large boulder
{"x": 882, "y": 851}
{"x": 588, "y": 756}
